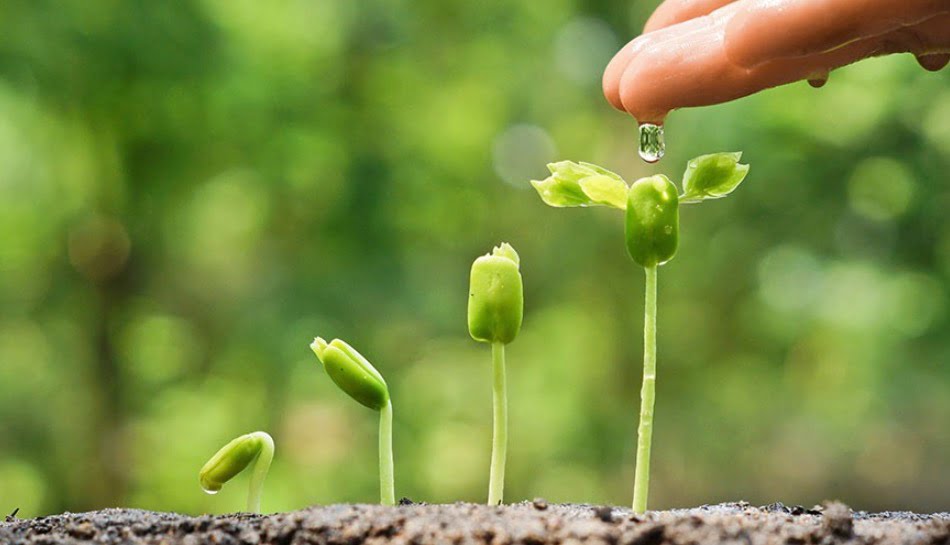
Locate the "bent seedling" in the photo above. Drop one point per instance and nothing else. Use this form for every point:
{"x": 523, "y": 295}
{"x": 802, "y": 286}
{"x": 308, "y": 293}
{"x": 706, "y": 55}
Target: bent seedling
{"x": 495, "y": 310}
{"x": 356, "y": 376}
{"x": 231, "y": 459}
{"x": 652, "y": 234}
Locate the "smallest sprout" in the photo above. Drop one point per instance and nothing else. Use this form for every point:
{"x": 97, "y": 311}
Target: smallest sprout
{"x": 256, "y": 448}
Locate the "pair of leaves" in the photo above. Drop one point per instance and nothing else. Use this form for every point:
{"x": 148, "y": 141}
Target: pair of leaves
{"x": 581, "y": 184}
{"x": 710, "y": 176}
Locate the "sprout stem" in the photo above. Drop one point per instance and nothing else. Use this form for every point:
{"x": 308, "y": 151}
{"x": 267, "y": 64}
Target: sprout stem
{"x": 387, "y": 486}
{"x": 259, "y": 473}
{"x": 641, "y": 485}
{"x": 499, "y": 448}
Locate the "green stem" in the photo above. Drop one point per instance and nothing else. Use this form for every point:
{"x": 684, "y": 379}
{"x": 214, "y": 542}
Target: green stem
{"x": 261, "y": 467}
{"x": 499, "y": 447}
{"x": 641, "y": 485}
{"x": 387, "y": 486}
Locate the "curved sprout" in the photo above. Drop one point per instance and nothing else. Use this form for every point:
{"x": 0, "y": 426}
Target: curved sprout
{"x": 231, "y": 459}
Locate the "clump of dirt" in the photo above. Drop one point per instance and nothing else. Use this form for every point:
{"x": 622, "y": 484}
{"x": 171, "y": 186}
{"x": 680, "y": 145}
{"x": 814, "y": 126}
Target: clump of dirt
{"x": 529, "y": 523}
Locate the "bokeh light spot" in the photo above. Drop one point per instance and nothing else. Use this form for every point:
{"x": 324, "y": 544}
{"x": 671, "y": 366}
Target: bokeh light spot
{"x": 880, "y": 188}
{"x": 520, "y": 153}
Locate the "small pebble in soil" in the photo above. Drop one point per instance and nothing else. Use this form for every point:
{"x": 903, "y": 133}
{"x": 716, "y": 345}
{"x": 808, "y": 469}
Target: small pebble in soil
{"x": 604, "y": 513}
{"x": 837, "y": 519}
{"x": 540, "y": 504}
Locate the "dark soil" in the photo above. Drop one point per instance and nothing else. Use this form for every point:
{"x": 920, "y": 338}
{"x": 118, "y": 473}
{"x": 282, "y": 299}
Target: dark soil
{"x": 530, "y": 523}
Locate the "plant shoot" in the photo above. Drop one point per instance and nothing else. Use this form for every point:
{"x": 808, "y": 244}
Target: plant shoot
{"x": 254, "y": 448}
{"x": 651, "y": 230}
{"x": 356, "y": 376}
{"x": 495, "y": 310}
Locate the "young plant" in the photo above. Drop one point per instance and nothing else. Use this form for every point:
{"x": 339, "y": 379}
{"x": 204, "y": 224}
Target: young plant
{"x": 652, "y": 234}
{"x": 356, "y": 376}
{"x": 256, "y": 448}
{"x": 495, "y": 309}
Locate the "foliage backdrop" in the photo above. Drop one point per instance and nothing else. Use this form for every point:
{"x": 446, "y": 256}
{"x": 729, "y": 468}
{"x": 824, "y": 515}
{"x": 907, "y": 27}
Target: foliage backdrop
{"x": 191, "y": 190}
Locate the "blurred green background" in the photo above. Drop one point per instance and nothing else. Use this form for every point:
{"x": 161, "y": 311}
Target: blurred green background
{"x": 190, "y": 191}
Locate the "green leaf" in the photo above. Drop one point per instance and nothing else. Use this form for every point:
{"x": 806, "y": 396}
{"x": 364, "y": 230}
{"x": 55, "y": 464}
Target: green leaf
{"x": 601, "y": 170}
{"x": 605, "y": 190}
{"x": 581, "y": 184}
{"x": 712, "y": 176}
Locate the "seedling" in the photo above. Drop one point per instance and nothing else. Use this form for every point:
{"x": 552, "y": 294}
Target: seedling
{"x": 356, "y": 376}
{"x": 495, "y": 309}
{"x": 256, "y": 448}
{"x": 652, "y": 234}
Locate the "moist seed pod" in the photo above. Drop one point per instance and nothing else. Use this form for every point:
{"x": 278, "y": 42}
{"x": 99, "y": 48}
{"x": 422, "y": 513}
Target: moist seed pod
{"x": 352, "y": 372}
{"x": 254, "y": 448}
{"x": 230, "y": 460}
{"x": 652, "y": 226}
{"x": 496, "y": 296}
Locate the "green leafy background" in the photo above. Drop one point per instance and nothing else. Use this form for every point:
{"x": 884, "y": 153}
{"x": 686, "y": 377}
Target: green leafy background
{"x": 190, "y": 191}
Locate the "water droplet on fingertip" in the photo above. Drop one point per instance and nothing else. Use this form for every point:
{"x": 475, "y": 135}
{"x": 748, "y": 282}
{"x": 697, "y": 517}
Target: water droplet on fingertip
{"x": 818, "y": 79}
{"x": 652, "y": 142}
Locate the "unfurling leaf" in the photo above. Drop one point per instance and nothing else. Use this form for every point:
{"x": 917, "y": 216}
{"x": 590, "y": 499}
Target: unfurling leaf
{"x": 581, "y": 184}
{"x": 712, "y": 176}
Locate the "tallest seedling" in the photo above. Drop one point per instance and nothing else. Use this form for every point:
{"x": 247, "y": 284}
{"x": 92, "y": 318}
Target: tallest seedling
{"x": 495, "y": 309}
{"x": 652, "y": 232}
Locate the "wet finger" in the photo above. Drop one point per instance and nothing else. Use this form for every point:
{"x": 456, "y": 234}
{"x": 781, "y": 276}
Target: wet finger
{"x": 697, "y": 70}
{"x": 671, "y": 12}
{"x": 810, "y": 27}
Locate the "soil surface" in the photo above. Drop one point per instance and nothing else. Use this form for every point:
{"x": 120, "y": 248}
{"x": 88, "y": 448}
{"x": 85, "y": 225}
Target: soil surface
{"x": 529, "y": 523}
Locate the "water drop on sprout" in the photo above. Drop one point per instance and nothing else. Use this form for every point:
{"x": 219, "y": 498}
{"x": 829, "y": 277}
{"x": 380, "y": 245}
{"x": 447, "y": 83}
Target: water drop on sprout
{"x": 255, "y": 450}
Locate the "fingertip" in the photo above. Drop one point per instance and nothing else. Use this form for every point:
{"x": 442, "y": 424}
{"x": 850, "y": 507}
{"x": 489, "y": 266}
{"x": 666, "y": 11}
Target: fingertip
{"x": 611, "y": 87}
{"x": 635, "y": 96}
{"x": 612, "y": 74}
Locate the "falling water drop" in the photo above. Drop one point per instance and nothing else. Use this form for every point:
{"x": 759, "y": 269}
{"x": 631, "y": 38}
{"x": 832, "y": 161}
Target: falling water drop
{"x": 652, "y": 143}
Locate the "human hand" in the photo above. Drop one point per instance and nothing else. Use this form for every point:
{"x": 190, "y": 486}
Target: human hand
{"x": 703, "y": 52}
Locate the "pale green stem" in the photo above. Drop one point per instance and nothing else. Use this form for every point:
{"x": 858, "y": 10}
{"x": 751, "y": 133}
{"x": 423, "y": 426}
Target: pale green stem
{"x": 387, "y": 485}
{"x": 499, "y": 447}
{"x": 641, "y": 484}
{"x": 259, "y": 473}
